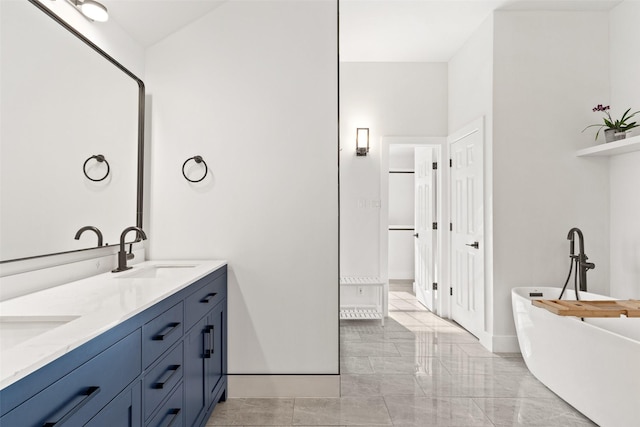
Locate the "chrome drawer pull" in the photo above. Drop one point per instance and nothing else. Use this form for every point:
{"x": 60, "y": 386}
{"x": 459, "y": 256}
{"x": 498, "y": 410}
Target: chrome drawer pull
{"x": 171, "y": 370}
{"x": 89, "y": 394}
{"x": 168, "y": 330}
{"x": 208, "y": 297}
{"x": 175, "y": 418}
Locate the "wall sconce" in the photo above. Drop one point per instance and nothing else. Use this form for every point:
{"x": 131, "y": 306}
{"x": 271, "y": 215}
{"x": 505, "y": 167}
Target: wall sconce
{"x": 362, "y": 141}
{"x": 91, "y": 9}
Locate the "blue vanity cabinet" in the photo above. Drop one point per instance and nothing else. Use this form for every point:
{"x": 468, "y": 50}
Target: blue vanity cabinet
{"x": 146, "y": 371}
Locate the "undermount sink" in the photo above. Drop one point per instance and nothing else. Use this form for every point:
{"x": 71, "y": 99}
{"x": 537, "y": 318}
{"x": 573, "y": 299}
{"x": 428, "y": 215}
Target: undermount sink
{"x": 17, "y": 329}
{"x": 159, "y": 271}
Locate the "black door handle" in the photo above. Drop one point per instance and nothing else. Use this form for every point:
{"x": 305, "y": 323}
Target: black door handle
{"x": 416, "y": 235}
{"x": 474, "y": 245}
{"x": 208, "y": 351}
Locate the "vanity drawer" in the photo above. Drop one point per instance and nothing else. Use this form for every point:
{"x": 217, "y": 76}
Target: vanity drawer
{"x": 171, "y": 413}
{"x": 203, "y": 300}
{"x": 161, "y": 333}
{"x": 123, "y": 411}
{"x": 159, "y": 380}
{"x": 78, "y": 396}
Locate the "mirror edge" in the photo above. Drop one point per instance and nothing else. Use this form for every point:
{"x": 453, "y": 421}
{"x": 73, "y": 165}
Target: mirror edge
{"x": 141, "y": 118}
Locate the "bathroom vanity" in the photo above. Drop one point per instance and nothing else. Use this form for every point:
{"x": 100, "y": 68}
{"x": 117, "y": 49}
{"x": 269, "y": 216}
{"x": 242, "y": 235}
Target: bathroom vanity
{"x": 146, "y": 347}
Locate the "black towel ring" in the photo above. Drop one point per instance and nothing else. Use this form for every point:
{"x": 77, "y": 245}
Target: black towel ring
{"x": 197, "y": 159}
{"x": 99, "y": 158}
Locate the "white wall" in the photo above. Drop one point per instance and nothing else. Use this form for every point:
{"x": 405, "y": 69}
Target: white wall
{"x": 392, "y": 99}
{"x": 252, "y": 87}
{"x": 535, "y": 81}
{"x": 624, "y": 32}
{"x": 471, "y": 97}
{"x": 547, "y": 77}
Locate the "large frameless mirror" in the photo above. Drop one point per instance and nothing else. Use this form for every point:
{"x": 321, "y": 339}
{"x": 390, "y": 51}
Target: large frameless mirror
{"x": 71, "y": 136}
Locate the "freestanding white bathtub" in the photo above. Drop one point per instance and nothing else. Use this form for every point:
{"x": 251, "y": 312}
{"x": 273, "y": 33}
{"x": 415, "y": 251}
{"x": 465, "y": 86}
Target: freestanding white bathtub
{"x": 593, "y": 365}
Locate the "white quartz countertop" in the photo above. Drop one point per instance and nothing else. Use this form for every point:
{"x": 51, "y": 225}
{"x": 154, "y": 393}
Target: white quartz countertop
{"x": 86, "y": 308}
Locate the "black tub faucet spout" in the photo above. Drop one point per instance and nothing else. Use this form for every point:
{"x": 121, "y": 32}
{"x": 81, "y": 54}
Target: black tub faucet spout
{"x": 583, "y": 265}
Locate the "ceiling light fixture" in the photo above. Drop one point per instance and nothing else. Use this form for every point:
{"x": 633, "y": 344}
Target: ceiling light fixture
{"x": 91, "y": 9}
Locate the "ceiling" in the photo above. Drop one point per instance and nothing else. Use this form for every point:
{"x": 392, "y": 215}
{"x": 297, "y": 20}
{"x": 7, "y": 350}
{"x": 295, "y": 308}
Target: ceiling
{"x": 370, "y": 30}
{"x": 149, "y": 21}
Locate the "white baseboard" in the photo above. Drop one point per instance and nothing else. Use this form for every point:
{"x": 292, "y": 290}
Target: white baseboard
{"x": 500, "y": 343}
{"x": 283, "y": 386}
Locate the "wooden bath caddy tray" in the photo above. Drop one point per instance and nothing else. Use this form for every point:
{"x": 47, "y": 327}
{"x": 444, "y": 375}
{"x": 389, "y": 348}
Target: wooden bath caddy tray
{"x": 605, "y": 308}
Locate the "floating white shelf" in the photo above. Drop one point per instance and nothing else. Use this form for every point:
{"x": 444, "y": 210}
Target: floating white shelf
{"x": 612, "y": 148}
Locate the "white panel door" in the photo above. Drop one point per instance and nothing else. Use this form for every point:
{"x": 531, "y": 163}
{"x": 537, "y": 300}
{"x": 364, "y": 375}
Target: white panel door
{"x": 424, "y": 232}
{"x": 467, "y": 242}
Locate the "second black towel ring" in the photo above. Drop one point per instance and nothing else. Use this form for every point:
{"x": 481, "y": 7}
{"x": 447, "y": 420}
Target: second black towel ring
{"x": 100, "y": 159}
{"x": 197, "y": 159}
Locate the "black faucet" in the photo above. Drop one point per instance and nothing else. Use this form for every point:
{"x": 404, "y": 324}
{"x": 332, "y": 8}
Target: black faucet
{"x": 123, "y": 256}
{"x": 583, "y": 265}
{"x": 92, "y": 228}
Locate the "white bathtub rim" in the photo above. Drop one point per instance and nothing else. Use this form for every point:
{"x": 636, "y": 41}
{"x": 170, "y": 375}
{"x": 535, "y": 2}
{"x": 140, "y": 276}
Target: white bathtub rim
{"x": 515, "y": 291}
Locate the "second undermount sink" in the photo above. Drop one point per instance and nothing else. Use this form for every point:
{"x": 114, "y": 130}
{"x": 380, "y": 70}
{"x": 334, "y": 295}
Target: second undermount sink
{"x": 17, "y": 329}
{"x": 159, "y": 271}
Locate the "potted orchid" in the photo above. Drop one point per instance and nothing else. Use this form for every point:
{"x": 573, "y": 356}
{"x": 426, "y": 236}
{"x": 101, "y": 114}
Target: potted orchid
{"x": 615, "y": 129}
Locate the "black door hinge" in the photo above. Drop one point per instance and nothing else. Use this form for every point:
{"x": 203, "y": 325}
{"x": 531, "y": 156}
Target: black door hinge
{"x": 450, "y": 226}
{"x": 450, "y": 291}
{"x": 434, "y": 226}
{"x": 434, "y": 286}
{"x": 450, "y": 163}
{"x": 435, "y": 165}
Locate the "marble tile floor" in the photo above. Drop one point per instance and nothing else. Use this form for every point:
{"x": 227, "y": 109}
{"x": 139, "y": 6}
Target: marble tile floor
{"x": 417, "y": 370}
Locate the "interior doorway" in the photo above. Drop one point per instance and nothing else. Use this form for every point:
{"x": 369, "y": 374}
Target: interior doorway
{"x": 413, "y": 203}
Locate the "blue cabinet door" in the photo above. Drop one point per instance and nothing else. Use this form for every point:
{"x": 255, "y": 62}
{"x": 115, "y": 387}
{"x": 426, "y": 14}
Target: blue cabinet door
{"x": 123, "y": 411}
{"x": 215, "y": 365}
{"x": 195, "y": 345}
